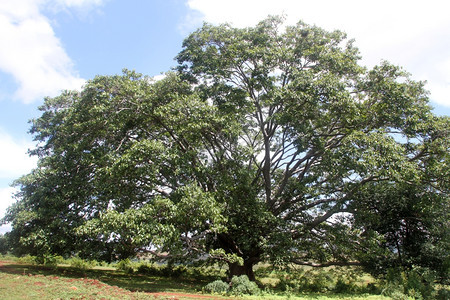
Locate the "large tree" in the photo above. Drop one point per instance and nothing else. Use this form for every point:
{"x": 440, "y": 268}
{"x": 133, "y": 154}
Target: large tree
{"x": 268, "y": 143}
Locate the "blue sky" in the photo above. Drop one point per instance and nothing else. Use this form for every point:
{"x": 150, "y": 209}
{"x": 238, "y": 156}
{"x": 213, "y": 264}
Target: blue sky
{"x": 51, "y": 45}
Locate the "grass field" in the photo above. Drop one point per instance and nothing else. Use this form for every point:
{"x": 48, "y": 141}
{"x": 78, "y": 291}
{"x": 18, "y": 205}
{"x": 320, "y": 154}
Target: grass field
{"x": 27, "y": 281}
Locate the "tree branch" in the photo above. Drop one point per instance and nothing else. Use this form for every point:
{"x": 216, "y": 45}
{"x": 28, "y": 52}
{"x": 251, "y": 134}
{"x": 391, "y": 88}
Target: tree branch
{"x": 327, "y": 264}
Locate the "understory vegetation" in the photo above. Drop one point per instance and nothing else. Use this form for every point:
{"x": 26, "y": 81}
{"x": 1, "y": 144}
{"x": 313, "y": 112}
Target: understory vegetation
{"x": 272, "y": 283}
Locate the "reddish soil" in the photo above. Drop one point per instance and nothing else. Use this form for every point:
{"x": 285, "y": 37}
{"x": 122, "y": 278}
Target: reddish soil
{"x": 175, "y": 295}
{"x": 112, "y": 290}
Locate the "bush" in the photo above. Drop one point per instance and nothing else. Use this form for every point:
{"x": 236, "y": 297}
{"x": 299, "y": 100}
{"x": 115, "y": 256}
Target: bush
{"x": 48, "y": 260}
{"x": 4, "y": 245}
{"x": 310, "y": 281}
{"x": 320, "y": 282}
{"x": 171, "y": 271}
{"x": 80, "y": 263}
{"x": 338, "y": 280}
{"x": 344, "y": 287}
{"x": 206, "y": 273}
{"x": 125, "y": 266}
{"x": 146, "y": 269}
{"x": 216, "y": 287}
{"x": 27, "y": 259}
{"x": 264, "y": 271}
{"x": 163, "y": 271}
{"x": 371, "y": 288}
{"x": 242, "y": 285}
{"x": 417, "y": 283}
{"x": 443, "y": 294}
{"x": 398, "y": 295}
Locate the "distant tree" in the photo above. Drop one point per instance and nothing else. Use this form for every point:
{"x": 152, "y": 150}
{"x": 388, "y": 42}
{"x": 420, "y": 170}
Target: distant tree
{"x": 268, "y": 143}
{"x": 4, "y": 247}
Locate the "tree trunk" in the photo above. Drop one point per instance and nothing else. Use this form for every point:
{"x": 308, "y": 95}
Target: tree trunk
{"x": 234, "y": 269}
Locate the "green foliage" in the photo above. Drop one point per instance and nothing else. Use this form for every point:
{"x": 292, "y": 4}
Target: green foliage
{"x": 27, "y": 259}
{"x": 125, "y": 266}
{"x": 310, "y": 281}
{"x": 268, "y": 142}
{"x": 329, "y": 280}
{"x": 80, "y": 263}
{"x": 147, "y": 269}
{"x": 217, "y": 287}
{"x": 221, "y": 254}
{"x": 343, "y": 287}
{"x": 264, "y": 271}
{"x": 48, "y": 260}
{"x": 241, "y": 285}
{"x": 416, "y": 283}
{"x": 4, "y": 246}
{"x": 189, "y": 282}
{"x": 443, "y": 294}
{"x": 45, "y": 260}
{"x": 161, "y": 270}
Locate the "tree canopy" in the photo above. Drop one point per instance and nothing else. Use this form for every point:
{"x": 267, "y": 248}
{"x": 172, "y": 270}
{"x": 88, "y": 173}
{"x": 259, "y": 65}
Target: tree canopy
{"x": 269, "y": 143}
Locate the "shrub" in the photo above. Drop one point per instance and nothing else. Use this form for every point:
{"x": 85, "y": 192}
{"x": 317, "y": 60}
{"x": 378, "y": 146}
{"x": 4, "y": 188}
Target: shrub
{"x": 4, "y": 245}
{"x": 242, "y": 285}
{"x": 443, "y": 294}
{"x": 80, "y": 263}
{"x": 171, "y": 271}
{"x": 417, "y": 283}
{"x": 208, "y": 273}
{"x": 163, "y": 271}
{"x": 371, "y": 288}
{"x": 48, "y": 260}
{"x": 264, "y": 271}
{"x": 398, "y": 295}
{"x": 344, "y": 287}
{"x": 321, "y": 282}
{"x": 27, "y": 259}
{"x": 285, "y": 285}
{"x": 146, "y": 269}
{"x": 310, "y": 281}
{"x": 216, "y": 287}
{"x": 125, "y": 266}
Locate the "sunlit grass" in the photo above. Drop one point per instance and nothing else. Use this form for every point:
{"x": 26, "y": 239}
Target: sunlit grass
{"x": 21, "y": 280}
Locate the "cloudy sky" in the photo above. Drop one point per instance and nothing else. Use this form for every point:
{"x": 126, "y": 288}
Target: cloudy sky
{"x": 51, "y": 45}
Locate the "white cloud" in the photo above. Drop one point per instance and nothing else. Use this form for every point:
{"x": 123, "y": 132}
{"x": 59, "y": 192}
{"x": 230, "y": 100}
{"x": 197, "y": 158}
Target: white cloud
{"x": 79, "y": 3}
{"x": 437, "y": 74}
{"x": 5, "y": 228}
{"x": 6, "y": 199}
{"x": 14, "y": 160}
{"x": 159, "y": 77}
{"x": 414, "y": 34}
{"x": 30, "y": 50}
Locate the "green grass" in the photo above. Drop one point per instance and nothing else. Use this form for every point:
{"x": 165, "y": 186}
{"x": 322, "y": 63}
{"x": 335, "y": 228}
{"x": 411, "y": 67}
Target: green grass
{"x": 20, "y": 280}
{"x": 27, "y": 281}
{"x": 15, "y": 286}
{"x": 316, "y": 297}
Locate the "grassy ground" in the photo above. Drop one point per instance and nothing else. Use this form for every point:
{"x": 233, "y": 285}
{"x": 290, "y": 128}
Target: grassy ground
{"x": 18, "y": 281}
{"x": 25, "y": 281}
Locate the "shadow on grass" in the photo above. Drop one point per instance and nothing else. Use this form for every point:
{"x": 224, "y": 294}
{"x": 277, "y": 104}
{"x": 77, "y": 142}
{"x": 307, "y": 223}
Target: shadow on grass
{"x": 131, "y": 282}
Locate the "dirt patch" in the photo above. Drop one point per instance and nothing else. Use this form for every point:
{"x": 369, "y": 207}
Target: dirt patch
{"x": 10, "y": 270}
{"x": 8, "y": 266}
{"x": 2, "y": 262}
{"x": 181, "y": 295}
